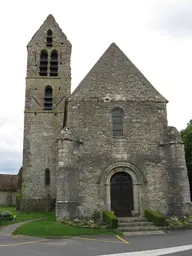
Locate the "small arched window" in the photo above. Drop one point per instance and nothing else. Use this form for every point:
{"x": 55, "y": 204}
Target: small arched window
{"x": 48, "y": 98}
{"x": 47, "y": 177}
{"x": 54, "y": 63}
{"x": 117, "y": 119}
{"x": 49, "y": 38}
{"x": 43, "y": 63}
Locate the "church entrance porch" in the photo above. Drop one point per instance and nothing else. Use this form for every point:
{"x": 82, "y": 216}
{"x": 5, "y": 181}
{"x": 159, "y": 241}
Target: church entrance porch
{"x": 121, "y": 194}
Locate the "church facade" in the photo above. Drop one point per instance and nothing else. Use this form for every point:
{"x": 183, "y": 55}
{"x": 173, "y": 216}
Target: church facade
{"x": 107, "y": 145}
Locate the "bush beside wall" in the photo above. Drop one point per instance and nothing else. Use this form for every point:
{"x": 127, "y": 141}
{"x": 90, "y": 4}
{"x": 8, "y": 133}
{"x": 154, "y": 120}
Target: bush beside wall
{"x": 110, "y": 219}
{"x": 157, "y": 218}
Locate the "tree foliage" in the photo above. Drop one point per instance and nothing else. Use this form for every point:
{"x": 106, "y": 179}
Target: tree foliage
{"x": 186, "y": 135}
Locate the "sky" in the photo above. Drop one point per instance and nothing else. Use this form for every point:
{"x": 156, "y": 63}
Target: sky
{"x": 156, "y": 35}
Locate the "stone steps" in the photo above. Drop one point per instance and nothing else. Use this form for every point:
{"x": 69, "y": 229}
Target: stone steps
{"x": 131, "y": 219}
{"x": 137, "y": 226}
{"x": 132, "y": 224}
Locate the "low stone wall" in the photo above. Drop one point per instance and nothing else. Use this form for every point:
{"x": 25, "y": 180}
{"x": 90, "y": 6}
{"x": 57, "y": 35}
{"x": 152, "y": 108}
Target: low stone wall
{"x": 8, "y": 198}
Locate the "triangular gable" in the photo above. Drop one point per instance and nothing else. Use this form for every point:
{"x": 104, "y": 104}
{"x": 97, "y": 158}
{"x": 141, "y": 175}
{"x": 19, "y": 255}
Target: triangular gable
{"x": 49, "y": 23}
{"x": 116, "y": 76}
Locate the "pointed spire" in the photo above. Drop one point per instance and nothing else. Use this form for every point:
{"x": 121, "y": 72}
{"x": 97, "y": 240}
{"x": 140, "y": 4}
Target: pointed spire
{"x": 50, "y": 19}
{"x": 49, "y": 23}
{"x": 113, "y": 44}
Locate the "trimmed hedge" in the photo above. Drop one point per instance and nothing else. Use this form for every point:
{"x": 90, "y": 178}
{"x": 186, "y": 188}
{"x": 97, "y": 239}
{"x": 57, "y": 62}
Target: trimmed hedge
{"x": 110, "y": 219}
{"x": 157, "y": 218}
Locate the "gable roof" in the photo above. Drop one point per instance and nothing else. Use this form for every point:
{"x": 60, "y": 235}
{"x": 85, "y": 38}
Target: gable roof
{"x": 8, "y": 182}
{"x": 116, "y": 76}
{"x": 49, "y": 23}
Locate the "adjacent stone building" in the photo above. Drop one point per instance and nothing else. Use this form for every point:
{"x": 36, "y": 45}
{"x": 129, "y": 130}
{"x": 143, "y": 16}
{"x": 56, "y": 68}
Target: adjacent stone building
{"x": 105, "y": 146}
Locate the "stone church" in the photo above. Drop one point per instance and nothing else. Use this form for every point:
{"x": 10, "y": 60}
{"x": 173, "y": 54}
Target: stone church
{"x": 107, "y": 145}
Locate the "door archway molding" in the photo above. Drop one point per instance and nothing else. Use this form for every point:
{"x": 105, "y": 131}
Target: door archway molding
{"x": 137, "y": 181}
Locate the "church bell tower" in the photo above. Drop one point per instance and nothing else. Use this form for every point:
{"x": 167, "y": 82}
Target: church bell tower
{"x": 48, "y": 85}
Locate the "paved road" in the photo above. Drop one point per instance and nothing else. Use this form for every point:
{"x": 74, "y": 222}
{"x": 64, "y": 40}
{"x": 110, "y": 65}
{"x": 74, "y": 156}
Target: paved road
{"x": 96, "y": 245}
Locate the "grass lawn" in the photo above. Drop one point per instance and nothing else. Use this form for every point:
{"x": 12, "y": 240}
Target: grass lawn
{"x": 21, "y": 216}
{"x": 48, "y": 227}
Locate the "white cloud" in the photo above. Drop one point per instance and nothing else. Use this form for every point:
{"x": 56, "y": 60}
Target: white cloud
{"x": 174, "y": 18}
{"x": 154, "y": 34}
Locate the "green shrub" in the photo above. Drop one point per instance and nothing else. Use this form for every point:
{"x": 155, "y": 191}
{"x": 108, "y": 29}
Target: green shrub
{"x": 182, "y": 222}
{"x": 110, "y": 219}
{"x": 157, "y": 218}
{"x": 6, "y": 216}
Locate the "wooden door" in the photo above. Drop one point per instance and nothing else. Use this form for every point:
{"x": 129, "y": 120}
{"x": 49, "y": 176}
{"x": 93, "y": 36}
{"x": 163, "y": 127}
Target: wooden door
{"x": 121, "y": 194}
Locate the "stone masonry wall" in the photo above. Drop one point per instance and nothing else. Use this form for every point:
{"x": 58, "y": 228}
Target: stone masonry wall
{"x": 178, "y": 192}
{"x": 114, "y": 81}
{"x": 143, "y": 125}
{"x": 42, "y": 127}
{"x": 67, "y": 176}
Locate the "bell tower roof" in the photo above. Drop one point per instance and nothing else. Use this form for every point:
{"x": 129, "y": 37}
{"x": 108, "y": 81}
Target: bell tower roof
{"x": 49, "y": 24}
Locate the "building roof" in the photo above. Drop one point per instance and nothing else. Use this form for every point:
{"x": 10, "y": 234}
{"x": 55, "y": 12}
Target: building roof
{"x": 49, "y": 23}
{"x": 8, "y": 182}
{"x": 116, "y": 76}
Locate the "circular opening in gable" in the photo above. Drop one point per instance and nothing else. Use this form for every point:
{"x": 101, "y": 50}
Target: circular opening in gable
{"x": 107, "y": 99}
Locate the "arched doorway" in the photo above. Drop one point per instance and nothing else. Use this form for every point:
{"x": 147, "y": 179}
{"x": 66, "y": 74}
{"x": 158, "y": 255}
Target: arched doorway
{"x": 121, "y": 189}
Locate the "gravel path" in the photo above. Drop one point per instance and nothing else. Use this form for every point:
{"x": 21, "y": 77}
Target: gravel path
{"x": 8, "y": 230}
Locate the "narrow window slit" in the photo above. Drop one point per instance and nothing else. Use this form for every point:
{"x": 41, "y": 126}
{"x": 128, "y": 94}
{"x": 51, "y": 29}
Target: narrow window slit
{"x": 54, "y": 63}
{"x": 49, "y": 38}
{"x": 43, "y": 65}
{"x": 117, "y": 120}
{"x": 48, "y": 99}
{"x": 47, "y": 177}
